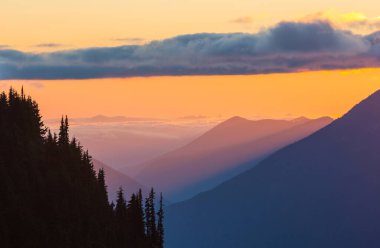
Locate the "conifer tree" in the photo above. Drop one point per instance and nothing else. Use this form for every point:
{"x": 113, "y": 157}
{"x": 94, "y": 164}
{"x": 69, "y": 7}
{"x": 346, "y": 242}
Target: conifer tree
{"x": 49, "y": 137}
{"x": 140, "y": 212}
{"x": 22, "y": 93}
{"x": 50, "y": 194}
{"x": 63, "y": 136}
{"x": 150, "y": 216}
{"x": 102, "y": 182}
{"x": 121, "y": 219}
{"x": 160, "y": 224}
{"x": 121, "y": 205}
{"x": 136, "y": 230}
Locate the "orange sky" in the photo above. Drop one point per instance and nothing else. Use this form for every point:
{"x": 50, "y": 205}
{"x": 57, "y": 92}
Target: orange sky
{"x": 84, "y": 23}
{"x": 311, "y": 94}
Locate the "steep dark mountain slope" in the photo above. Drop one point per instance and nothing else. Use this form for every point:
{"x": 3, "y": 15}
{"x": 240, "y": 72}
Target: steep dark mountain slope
{"x": 221, "y": 154}
{"x": 323, "y": 191}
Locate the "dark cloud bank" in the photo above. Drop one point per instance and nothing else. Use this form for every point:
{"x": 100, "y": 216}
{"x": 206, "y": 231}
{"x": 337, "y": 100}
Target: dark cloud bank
{"x": 286, "y": 47}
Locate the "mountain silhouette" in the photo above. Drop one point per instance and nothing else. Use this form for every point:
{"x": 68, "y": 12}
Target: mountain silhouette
{"x": 323, "y": 191}
{"x": 222, "y": 153}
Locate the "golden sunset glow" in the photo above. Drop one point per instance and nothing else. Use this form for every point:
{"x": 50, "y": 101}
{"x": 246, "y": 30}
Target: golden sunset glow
{"x": 189, "y": 123}
{"x": 311, "y": 94}
{"x": 83, "y": 23}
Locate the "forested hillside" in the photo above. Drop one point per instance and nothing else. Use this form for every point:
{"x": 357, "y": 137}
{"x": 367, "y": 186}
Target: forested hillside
{"x": 50, "y": 195}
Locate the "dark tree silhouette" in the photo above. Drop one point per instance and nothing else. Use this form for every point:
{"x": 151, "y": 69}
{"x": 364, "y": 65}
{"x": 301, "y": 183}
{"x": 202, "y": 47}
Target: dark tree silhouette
{"x": 102, "y": 183}
{"x": 63, "y": 137}
{"x": 160, "y": 224}
{"x": 50, "y": 195}
{"x": 121, "y": 219}
{"x": 150, "y": 215}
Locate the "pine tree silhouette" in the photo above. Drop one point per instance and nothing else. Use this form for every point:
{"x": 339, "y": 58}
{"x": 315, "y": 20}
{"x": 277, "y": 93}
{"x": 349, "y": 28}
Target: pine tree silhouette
{"x": 50, "y": 195}
{"x": 102, "y": 182}
{"x": 160, "y": 224}
{"x": 121, "y": 219}
{"x": 150, "y": 215}
{"x": 63, "y": 137}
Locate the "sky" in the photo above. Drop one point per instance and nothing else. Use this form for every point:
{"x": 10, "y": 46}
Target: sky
{"x": 28, "y": 24}
{"x": 310, "y": 94}
{"x": 169, "y": 59}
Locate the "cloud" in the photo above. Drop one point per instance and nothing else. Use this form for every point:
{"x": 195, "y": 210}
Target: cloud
{"x": 355, "y": 21}
{"x": 193, "y": 117}
{"x": 243, "y": 20}
{"x": 114, "y": 119}
{"x": 130, "y": 40}
{"x": 48, "y": 45}
{"x": 3, "y": 46}
{"x": 37, "y": 85}
{"x": 286, "y": 47}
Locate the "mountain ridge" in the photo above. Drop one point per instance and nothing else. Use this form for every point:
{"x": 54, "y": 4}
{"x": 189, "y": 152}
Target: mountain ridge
{"x": 321, "y": 191}
{"x": 205, "y": 162}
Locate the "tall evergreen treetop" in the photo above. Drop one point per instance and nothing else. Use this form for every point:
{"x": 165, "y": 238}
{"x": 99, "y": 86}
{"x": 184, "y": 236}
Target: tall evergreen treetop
{"x": 160, "y": 224}
{"x": 63, "y": 137}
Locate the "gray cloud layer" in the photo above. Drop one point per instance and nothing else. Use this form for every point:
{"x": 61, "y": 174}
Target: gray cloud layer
{"x": 286, "y": 47}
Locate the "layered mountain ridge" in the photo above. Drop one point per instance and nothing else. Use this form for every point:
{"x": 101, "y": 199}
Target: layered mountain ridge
{"x": 222, "y": 153}
{"x": 323, "y": 191}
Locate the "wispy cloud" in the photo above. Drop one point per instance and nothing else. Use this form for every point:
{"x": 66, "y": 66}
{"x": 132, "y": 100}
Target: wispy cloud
{"x": 3, "y": 46}
{"x": 130, "y": 40}
{"x": 37, "y": 85}
{"x": 286, "y": 47}
{"x": 243, "y": 20}
{"x": 355, "y": 21}
{"x": 49, "y": 45}
{"x": 193, "y": 117}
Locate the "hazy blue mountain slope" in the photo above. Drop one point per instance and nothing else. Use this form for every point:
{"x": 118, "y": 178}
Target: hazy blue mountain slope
{"x": 323, "y": 191}
{"x": 221, "y": 154}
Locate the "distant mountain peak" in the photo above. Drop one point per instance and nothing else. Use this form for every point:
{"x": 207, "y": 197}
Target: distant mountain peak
{"x": 236, "y": 119}
{"x": 300, "y": 119}
{"x": 233, "y": 121}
